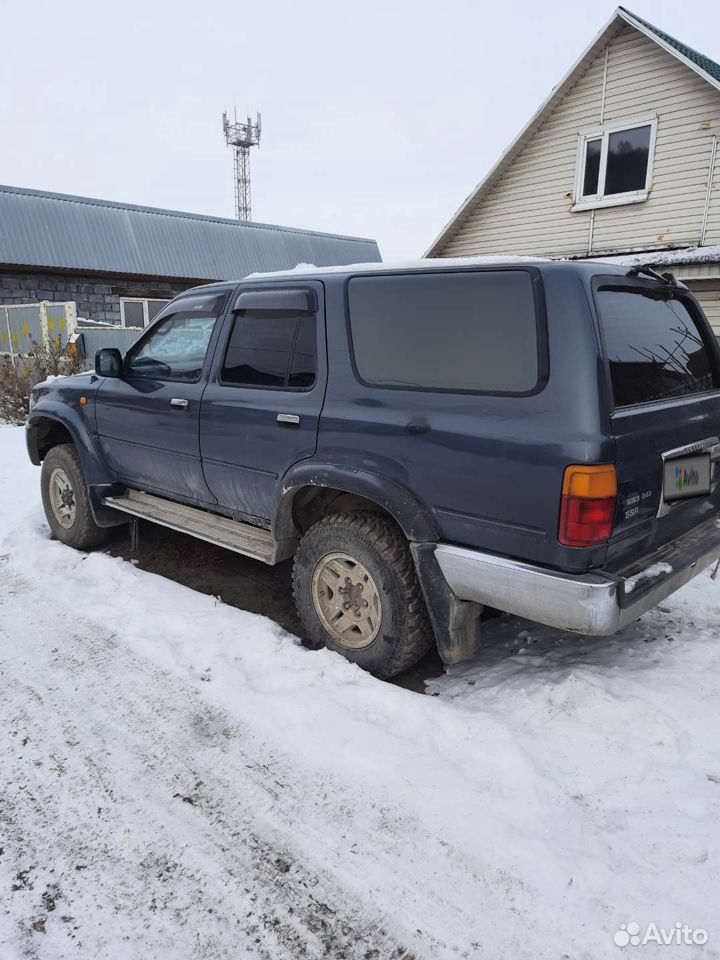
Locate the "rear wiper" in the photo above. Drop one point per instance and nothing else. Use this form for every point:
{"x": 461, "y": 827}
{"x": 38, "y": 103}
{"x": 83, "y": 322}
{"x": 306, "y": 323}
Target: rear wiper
{"x": 666, "y": 278}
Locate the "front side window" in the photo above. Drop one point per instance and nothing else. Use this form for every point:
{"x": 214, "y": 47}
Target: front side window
{"x": 271, "y": 348}
{"x": 653, "y": 346}
{"x": 460, "y": 332}
{"x": 614, "y": 165}
{"x": 174, "y": 350}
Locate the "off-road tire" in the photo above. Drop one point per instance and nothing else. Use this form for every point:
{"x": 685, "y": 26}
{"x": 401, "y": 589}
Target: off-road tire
{"x": 84, "y": 533}
{"x": 405, "y": 634}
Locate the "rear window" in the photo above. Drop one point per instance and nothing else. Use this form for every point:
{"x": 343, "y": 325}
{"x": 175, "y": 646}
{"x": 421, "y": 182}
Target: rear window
{"x": 653, "y": 346}
{"x": 446, "y": 331}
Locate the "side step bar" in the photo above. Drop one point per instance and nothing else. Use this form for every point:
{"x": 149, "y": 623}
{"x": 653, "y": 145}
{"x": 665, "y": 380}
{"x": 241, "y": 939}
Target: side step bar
{"x": 232, "y": 534}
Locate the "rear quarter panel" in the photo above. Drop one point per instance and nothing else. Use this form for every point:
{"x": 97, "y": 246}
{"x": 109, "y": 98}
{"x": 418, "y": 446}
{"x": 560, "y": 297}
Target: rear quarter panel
{"x": 489, "y": 468}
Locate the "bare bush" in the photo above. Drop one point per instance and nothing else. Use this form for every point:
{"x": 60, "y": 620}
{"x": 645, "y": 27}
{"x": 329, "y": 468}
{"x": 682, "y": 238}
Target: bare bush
{"x": 18, "y": 377}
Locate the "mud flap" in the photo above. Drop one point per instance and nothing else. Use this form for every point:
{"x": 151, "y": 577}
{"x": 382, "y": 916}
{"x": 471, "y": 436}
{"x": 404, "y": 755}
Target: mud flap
{"x": 104, "y": 516}
{"x": 456, "y": 623}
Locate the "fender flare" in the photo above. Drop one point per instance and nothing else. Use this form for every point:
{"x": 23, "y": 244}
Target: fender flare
{"x": 99, "y": 481}
{"x": 413, "y": 517}
{"x": 95, "y": 471}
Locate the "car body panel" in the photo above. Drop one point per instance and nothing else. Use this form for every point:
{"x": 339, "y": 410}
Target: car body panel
{"x": 148, "y": 428}
{"x": 245, "y": 448}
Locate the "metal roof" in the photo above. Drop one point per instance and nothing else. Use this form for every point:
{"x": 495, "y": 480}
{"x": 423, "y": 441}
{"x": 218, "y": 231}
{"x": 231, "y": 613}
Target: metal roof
{"x": 57, "y": 231}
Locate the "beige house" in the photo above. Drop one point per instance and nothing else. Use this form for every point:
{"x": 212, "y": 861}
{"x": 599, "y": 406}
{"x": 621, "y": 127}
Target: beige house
{"x": 621, "y": 160}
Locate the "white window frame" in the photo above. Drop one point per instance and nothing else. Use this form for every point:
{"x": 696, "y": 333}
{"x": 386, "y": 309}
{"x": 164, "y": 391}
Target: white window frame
{"x": 144, "y": 301}
{"x": 603, "y": 134}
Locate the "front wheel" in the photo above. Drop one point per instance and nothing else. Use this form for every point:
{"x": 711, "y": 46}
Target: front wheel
{"x": 357, "y": 593}
{"x": 66, "y": 500}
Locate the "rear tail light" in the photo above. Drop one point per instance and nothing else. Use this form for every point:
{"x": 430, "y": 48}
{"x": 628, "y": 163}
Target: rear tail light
{"x": 587, "y": 508}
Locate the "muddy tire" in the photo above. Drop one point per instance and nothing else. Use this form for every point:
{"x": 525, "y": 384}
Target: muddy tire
{"x": 66, "y": 500}
{"x": 357, "y": 593}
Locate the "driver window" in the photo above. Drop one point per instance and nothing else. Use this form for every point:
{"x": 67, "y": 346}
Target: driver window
{"x": 175, "y": 350}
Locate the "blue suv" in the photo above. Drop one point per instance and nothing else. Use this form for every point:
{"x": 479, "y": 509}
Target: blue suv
{"x": 540, "y": 438}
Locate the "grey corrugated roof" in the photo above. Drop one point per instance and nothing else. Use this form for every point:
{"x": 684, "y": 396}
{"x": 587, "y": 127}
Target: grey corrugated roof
{"x": 53, "y": 230}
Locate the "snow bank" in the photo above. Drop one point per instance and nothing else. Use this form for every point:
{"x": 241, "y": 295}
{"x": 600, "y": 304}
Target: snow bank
{"x": 543, "y": 795}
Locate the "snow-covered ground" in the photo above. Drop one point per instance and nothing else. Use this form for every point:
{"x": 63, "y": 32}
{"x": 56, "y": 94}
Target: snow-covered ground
{"x": 180, "y": 779}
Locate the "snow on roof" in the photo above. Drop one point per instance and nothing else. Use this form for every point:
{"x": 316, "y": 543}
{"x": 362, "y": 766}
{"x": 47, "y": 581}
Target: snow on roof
{"x": 434, "y": 263}
{"x": 710, "y": 254}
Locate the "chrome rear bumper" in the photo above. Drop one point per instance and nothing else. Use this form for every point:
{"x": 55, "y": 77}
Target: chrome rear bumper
{"x": 596, "y": 603}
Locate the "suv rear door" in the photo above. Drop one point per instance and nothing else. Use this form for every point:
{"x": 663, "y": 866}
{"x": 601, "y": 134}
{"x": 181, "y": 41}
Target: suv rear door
{"x": 663, "y": 369}
{"x": 261, "y": 408}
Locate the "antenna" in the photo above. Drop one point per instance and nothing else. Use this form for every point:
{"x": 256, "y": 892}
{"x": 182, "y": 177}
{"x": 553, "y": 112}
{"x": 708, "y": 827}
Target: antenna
{"x": 241, "y": 137}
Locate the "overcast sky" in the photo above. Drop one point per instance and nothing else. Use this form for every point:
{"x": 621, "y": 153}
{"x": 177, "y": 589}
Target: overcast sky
{"x": 378, "y": 117}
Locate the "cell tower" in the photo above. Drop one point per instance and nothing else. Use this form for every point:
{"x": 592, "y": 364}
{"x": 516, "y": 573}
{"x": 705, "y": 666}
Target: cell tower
{"x": 242, "y": 136}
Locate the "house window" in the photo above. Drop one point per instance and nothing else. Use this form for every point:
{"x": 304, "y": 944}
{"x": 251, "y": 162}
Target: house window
{"x": 614, "y": 164}
{"x": 138, "y": 312}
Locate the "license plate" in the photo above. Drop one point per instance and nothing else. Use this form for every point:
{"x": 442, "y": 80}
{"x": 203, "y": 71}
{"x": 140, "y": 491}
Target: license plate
{"x": 686, "y": 477}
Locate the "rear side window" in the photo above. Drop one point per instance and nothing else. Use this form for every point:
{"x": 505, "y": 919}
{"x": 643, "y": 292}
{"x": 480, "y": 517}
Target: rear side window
{"x": 653, "y": 346}
{"x": 446, "y": 331}
{"x": 271, "y": 348}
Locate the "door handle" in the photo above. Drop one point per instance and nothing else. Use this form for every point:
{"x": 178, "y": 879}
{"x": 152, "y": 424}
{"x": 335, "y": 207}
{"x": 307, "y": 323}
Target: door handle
{"x": 178, "y": 402}
{"x": 288, "y": 418}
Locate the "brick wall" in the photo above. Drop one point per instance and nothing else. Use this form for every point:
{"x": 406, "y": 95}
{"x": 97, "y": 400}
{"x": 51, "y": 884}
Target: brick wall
{"x": 97, "y": 298}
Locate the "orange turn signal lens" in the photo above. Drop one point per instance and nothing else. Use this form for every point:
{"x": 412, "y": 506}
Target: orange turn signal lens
{"x": 590, "y": 482}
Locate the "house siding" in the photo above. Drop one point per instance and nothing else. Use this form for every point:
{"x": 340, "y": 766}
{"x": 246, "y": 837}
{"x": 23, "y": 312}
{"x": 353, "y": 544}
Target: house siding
{"x": 529, "y": 209}
{"x": 708, "y": 296}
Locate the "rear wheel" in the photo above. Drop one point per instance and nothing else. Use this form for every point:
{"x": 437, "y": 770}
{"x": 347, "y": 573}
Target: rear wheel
{"x": 66, "y": 500}
{"x": 357, "y": 593}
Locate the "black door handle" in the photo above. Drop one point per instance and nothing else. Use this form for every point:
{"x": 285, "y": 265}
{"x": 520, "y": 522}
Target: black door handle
{"x": 420, "y": 425}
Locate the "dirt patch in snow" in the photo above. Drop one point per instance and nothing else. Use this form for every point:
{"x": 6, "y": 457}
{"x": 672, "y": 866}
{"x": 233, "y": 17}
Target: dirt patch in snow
{"x": 239, "y": 581}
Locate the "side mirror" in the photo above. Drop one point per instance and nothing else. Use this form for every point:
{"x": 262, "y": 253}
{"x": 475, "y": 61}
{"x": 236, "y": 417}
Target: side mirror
{"x": 108, "y": 362}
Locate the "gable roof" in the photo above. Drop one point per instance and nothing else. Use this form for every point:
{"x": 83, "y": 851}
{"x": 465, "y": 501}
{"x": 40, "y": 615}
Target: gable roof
{"x": 57, "y": 231}
{"x": 706, "y": 68}
{"x": 704, "y": 64}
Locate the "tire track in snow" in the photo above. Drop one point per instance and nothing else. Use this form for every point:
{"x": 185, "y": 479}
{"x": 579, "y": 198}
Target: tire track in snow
{"x": 128, "y": 797}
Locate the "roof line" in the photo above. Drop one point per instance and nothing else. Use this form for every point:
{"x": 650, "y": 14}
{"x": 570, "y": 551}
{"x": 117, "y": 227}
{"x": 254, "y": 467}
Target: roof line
{"x": 526, "y": 129}
{"x": 653, "y": 34}
{"x": 180, "y": 214}
{"x": 618, "y": 13}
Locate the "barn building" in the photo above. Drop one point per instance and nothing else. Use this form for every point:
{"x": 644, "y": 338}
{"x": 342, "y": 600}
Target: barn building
{"x": 120, "y": 263}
